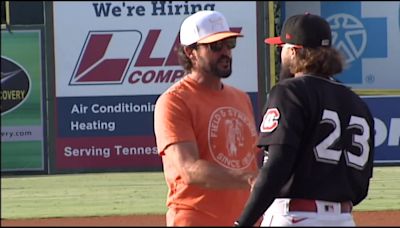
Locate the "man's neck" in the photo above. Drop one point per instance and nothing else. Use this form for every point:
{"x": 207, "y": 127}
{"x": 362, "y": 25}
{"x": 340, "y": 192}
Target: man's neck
{"x": 213, "y": 83}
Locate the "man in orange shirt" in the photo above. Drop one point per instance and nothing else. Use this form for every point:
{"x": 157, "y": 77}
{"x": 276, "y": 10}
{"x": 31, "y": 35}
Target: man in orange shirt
{"x": 205, "y": 129}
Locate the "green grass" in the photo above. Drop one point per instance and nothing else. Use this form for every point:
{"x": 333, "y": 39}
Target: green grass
{"x": 83, "y": 195}
{"x": 133, "y": 193}
{"x": 384, "y": 191}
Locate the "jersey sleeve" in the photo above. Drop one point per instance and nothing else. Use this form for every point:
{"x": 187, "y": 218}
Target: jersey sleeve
{"x": 284, "y": 118}
{"x": 172, "y": 122}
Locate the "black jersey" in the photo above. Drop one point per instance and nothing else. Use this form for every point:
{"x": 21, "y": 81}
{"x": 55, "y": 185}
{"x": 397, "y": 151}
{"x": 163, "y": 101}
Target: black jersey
{"x": 332, "y": 131}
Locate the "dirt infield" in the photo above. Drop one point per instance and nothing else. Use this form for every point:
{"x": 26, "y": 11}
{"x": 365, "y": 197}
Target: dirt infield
{"x": 371, "y": 218}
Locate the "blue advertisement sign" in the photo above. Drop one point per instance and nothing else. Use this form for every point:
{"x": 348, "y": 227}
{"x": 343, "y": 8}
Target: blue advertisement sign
{"x": 366, "y": 33}
{"x": 354, "y": 35}
{"x": 386, "y": 112}
{"x": 106, "y": 116}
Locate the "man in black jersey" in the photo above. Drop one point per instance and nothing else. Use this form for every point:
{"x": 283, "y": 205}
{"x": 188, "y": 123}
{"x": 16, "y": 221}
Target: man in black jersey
{"x": 318, "y": 134}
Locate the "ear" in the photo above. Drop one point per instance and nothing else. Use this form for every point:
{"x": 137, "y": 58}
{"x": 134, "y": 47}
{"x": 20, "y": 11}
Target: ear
{"x": 188, "y": 52}
{"x": 292, "y": 52}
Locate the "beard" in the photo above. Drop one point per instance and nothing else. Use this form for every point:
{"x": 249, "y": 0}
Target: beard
{"x": 285, "y": 73}
{"x": 222, "y": 72}
{"x": 220, "y": 69}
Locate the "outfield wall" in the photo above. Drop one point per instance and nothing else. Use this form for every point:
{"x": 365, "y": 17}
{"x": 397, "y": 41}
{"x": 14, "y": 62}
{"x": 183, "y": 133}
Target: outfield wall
{"x": 95, "y": 70}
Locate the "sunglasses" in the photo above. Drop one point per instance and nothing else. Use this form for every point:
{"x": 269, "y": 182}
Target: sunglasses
{"x": 217, "y": 46}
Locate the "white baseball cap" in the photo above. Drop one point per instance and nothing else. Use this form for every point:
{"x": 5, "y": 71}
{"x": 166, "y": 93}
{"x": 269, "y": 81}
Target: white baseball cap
{"x": 205, "y": 27}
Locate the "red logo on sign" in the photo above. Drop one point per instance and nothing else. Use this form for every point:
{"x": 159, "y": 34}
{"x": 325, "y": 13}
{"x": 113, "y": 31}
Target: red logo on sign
{"x": 107, "y": 57}
{"x": 102, "y": 61}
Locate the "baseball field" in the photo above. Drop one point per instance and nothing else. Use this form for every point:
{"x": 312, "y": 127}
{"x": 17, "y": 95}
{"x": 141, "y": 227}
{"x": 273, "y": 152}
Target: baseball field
{"x": 138, "y": 199}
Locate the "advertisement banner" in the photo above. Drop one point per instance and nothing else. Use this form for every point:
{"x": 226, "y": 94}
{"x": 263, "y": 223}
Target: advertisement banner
{"x": 367, "y": 33}
{"x": 386, "y": 112}
{"x": 23, "y": 125}
{"x": 111, "y": 64}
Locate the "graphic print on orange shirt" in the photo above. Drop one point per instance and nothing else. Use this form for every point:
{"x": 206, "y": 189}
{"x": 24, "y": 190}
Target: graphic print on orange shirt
{"x": 228, "y": 130}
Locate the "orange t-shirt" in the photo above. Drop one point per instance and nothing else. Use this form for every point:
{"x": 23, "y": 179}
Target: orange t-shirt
{"x": 223, "y": 127}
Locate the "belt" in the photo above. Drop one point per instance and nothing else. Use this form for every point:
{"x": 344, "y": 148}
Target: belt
{"x": 311, "y": 206}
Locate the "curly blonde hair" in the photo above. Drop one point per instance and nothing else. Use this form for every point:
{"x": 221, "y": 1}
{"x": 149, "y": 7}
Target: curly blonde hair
{"x": 324, "y": 61}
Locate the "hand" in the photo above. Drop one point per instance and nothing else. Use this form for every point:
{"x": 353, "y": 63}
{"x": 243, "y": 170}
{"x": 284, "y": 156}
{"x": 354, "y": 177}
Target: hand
{"x": 252, "y": 181}
{"x": 265, "y": 158}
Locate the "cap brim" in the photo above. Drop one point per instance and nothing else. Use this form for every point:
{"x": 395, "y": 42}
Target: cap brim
{"x": 274, "y": 40}
{"x": 218, "y": 36}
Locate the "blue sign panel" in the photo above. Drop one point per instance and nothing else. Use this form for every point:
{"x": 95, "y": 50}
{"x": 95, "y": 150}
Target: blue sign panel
{"x": 386, "y": 112}
{"x": 354, "y": 35}
{"x": 366, "y": 33}
{"x": 105, "y": 116}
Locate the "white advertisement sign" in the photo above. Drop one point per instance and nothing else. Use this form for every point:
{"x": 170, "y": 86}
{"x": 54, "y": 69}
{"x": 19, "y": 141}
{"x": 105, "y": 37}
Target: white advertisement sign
{"x": 127, "y": 48}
